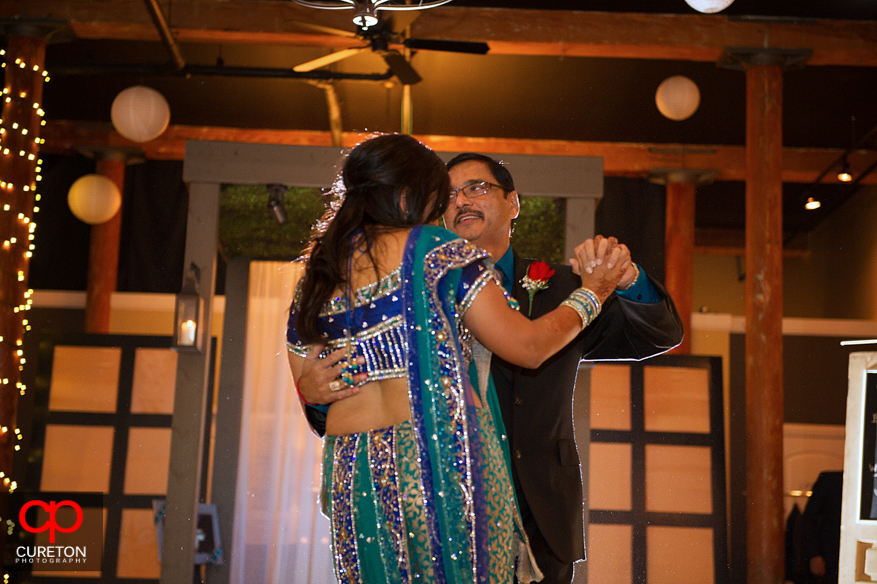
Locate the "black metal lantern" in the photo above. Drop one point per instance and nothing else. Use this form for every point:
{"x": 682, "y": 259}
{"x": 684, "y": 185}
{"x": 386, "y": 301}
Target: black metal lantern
{"x": 189, "y": 315}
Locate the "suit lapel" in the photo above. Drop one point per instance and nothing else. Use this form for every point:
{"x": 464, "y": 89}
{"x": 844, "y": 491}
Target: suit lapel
{"x": 505, "y": 378}
{"x": 518, "y": 291}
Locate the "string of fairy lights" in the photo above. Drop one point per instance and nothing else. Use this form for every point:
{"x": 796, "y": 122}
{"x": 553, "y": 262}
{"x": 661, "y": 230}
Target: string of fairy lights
{"x": 12, "y": 134}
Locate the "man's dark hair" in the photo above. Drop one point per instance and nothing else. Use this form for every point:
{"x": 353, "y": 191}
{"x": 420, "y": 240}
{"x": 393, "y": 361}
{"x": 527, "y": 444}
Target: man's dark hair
{"x": 500, "y": 173}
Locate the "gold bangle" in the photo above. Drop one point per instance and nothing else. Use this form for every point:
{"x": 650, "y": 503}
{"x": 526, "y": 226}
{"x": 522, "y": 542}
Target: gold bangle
{"x": 634, "y": 281}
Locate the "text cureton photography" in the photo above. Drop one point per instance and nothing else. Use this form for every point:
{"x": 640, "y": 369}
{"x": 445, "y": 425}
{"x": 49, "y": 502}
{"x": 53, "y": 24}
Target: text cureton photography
{"x": 59, "y": 532}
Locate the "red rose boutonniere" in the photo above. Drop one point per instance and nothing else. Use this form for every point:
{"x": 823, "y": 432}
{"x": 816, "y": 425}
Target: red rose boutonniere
{"x": 538, "y": 274}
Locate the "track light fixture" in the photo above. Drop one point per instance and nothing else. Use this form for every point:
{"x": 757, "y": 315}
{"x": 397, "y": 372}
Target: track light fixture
{"x": 844, "y": 174}
{"x": 275, "y": 202}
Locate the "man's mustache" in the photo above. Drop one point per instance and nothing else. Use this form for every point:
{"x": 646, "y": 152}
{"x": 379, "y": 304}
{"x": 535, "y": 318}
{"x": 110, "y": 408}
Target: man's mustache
{"x": 467, "y": 211}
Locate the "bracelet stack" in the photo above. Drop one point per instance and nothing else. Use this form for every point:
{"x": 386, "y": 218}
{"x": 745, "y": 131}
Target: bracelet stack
{"x": 585, "y": 303}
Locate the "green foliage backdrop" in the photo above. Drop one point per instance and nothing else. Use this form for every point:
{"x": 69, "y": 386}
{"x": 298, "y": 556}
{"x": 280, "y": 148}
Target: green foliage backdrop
{"x": 540, "y": 230}
{"x": 248, "y": 229}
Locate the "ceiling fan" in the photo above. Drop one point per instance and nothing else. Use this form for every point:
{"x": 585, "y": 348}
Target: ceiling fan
{"x": 381, "y": 32}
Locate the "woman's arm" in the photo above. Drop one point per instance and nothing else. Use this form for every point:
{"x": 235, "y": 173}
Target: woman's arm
{"x": 528, "y": 343}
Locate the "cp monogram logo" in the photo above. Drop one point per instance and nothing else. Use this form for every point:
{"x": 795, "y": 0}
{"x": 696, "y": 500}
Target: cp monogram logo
{"x": 51, "y": 524}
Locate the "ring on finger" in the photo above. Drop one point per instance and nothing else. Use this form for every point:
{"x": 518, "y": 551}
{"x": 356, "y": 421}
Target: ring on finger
{"x": 335, "y": 385}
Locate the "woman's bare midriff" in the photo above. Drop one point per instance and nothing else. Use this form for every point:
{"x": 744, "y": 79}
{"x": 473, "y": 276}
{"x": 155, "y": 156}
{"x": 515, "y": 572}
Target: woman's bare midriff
{"x": 379, "y": 404}
{"x": 384, "y": 403}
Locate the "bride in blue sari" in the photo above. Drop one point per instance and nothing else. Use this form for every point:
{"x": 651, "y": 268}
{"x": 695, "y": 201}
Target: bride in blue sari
{"x": 416, "y": 479}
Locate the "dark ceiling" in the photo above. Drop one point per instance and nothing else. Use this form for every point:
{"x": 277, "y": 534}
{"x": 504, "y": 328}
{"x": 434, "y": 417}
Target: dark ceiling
{"x": 503, "y": 96}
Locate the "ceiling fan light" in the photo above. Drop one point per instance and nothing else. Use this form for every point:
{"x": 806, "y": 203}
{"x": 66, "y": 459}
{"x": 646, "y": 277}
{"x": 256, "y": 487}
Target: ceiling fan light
{"x": 812, "y": 204}
{"x": 364, "y": 19}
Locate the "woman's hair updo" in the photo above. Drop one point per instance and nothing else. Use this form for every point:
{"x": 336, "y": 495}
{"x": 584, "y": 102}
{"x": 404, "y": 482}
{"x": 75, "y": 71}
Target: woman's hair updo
{"x": 376, "y": 177}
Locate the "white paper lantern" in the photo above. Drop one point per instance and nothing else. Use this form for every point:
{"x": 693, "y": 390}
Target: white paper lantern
{"x": 140, "y": 113}
{"x": 94, "y": 199}
{"x": 677, "y": 97}
{"x": 709, "y": 6}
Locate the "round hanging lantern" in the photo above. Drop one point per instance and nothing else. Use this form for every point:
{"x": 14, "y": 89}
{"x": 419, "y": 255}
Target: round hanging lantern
{"x": 140, "y": 113}
{"x": 677, "y": 97}
{"x": 94, "y": 199}
{"x": 709, "y": 6}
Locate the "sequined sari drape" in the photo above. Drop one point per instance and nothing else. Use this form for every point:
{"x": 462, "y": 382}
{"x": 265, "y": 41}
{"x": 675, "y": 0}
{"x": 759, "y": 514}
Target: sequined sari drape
{"x": 429, "y": 500}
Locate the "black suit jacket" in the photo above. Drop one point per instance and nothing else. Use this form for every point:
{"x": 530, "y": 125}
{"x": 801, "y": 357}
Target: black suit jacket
{"x": 536, "y": 404}
{"x": 821, "y": 522}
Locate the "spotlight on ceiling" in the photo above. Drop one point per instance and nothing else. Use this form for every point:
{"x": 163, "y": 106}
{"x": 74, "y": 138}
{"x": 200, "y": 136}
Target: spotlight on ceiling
{"x": 275, "y": 202}
{"x": 844, "y": 174}
{"x": 812, "y": 204}
{"x": 709, "y": 6}
{"x": 366, "y": 11}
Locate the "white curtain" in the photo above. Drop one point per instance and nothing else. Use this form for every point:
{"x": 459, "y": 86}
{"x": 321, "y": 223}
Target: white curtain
{"x": 280, "y": 536}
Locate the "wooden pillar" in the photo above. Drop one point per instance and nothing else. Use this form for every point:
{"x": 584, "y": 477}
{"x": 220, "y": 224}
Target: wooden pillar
{"x": 764, "y": 320}
{"x": 229, "y": 413}
{"x": 103, "y": 258}
{"x": 679, "y": 255}
{"x": 679, "y": 240}
{"x": 21, "y": 101}
{"x": 190, "y": 397}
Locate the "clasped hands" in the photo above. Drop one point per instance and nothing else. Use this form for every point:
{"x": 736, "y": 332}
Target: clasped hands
{"x": 607, "y": 265}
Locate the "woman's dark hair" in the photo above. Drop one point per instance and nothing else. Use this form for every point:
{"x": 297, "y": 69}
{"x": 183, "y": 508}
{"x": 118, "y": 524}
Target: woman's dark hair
{"x": 376, "y": 175}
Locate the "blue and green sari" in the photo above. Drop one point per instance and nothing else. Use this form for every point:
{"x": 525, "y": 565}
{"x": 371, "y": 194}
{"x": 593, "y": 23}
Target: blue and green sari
{"x": 431, "y": 499}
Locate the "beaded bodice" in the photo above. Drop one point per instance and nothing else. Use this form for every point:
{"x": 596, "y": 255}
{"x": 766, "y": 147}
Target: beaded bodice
{"x": 376, "y": 323}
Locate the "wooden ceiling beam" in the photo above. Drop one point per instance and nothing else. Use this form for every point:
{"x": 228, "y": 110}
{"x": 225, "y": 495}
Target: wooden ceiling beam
{"x": 695, "y": 37}
{"x": 800, "y": 165}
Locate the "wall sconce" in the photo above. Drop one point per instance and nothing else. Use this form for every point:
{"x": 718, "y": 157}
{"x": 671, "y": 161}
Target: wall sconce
{"x": 189, "y": 315}
{"x": 812, "y": 204}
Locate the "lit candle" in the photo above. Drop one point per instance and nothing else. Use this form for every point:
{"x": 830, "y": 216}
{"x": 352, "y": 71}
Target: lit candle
{"x": 187, "y": 332}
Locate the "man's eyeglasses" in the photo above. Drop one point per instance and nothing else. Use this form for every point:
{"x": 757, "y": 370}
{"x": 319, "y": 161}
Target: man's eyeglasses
{"x": 473, "y": 190}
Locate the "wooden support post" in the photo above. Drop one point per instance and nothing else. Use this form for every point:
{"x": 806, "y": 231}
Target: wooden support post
{"x": 223, "y": 492}
{"x": 190, "y": 397}
{"x": 25, "y": 57}
{"x": 679, "y": 240}
{"x": 679, "y": 255}
{"x": 764, "y": 320}
{"x": 103, "y": 258}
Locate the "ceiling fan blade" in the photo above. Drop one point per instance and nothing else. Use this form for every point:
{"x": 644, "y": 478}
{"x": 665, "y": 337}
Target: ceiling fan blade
{"x": 475, "y": 48}
{"x": 401, "y": 68}
{"x": 323, "y": 29}
{"x": 328, "y": 59}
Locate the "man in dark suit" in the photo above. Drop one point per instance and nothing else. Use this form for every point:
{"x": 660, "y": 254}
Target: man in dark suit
{"x": 821, "y": 526}
{"x": 536, "y": 404}
{"x": 637, "y": 322}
